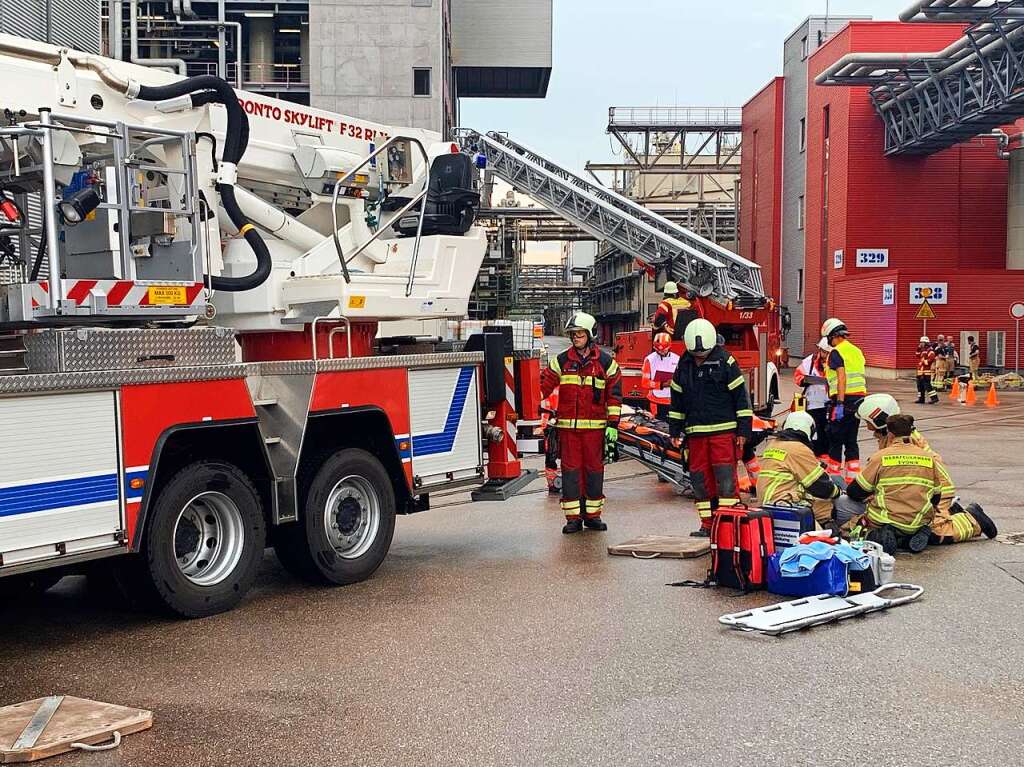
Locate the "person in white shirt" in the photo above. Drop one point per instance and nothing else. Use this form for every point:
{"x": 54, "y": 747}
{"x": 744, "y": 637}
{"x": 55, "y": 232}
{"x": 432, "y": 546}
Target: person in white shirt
{"x": 810, "y": 375}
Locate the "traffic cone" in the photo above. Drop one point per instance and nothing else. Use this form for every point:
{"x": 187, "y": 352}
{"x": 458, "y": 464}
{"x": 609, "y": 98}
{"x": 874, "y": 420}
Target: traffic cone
{"x": 972, "y": 397}
{"x": 992, "y": 400}
{"x": 954, "y": 393}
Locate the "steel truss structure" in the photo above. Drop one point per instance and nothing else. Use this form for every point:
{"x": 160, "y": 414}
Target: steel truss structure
{"x": 932, "y": 101}
{"x": 694, "y": 261}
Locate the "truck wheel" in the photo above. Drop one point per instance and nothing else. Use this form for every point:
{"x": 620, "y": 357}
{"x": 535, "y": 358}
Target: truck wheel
{"x": 347, "y": 524}
{"x": 204, "y": 539}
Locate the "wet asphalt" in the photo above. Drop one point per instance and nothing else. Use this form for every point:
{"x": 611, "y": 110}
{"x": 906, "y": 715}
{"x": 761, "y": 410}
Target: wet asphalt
{"x": 488, "y": 638}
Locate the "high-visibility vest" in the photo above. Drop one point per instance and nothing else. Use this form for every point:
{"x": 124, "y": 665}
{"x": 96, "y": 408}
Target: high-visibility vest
{"x": 654, "y": 364}
{"x": 853, "y": 362}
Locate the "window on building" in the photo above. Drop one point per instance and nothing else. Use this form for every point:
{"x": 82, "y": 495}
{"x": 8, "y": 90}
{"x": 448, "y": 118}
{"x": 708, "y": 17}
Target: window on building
{"x": 826, "y": 123}
{"x": 803, "y": 134}
{"x": 421, "y": 81}
{"x": 799, "y": 286}
{"x": 803, "y": 47}
{"x": 800, "y": 212}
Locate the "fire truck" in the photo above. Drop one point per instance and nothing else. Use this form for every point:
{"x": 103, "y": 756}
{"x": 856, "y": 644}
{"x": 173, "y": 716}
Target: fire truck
{"x": 193, "y": 282}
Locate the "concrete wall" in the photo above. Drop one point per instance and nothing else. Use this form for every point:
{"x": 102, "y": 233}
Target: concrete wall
{"x": 794, "y": 162}
{"x": 362, "y": 56}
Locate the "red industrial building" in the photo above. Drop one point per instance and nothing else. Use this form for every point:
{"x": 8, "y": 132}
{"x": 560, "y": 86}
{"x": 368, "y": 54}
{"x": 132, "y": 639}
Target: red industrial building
{"x": 881, "y": 232}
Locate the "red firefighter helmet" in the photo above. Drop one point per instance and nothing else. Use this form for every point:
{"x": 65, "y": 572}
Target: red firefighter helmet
{"x": 662, "y": 343}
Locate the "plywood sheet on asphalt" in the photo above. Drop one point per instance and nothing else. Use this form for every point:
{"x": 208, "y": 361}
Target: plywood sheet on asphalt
{"x": 76, "y": 720}
{"x": 662, "y": 547}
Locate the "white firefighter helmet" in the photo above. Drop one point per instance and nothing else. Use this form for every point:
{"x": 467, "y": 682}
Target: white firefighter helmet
{"x": 700, "y": 337}
{"x": 824, "y": 345}
{"x": 925, "y": 340}
{"x": 802, "y": 422}
{"x": 875, "y": 409}
{"x": 670, "y": 288}
{"x": 581, "y": 321}
{"x": 832, "y": 326}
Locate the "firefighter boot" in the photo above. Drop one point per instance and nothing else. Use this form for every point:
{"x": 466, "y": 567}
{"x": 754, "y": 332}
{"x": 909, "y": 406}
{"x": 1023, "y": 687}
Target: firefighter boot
{"x": 595, "y": 523}
{"x": 572, "y": 526}
{"x": 918, "y": 542}
{"x": 988, "y": 527}
{"x": 884, "y": 536}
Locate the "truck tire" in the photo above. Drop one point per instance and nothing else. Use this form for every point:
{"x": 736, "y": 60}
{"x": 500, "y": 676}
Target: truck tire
{"x": 347, "y": 523}
{"x": 204, "y": 540}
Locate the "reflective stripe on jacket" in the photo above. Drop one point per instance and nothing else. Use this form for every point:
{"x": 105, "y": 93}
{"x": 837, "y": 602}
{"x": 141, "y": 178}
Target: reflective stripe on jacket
{"x": 790, "y": 472}
{"x": 710, "y": 398}
{"x": 899, "y": 484}
{"x": 817, "y": 394}
{"x": 654, "y": 363}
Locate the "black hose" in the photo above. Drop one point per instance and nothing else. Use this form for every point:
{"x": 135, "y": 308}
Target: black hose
{"x": 207, "y": 89}
{"x": 37, "y": 265}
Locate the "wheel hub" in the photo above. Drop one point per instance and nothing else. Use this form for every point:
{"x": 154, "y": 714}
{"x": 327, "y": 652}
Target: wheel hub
{"x": 348, "y": 516}
{"x": 352, "y": 516}
{"x": 208, "y": 538}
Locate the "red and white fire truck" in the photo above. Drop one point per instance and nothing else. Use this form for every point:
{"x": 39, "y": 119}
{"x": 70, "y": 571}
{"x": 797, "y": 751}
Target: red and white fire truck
{"x": 192, "y": 291}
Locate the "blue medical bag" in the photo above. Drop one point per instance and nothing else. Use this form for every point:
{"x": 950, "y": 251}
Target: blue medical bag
{"x": 829, "y": 576}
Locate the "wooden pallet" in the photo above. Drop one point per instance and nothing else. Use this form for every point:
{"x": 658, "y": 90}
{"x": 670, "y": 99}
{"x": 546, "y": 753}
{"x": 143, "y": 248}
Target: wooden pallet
{"x": 662, "y": 547}
{"x": 76, "y": 720}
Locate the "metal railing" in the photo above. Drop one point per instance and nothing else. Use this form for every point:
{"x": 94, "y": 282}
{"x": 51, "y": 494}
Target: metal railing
{"x": 673, "y": 117}
{"x": 282, "y": 76}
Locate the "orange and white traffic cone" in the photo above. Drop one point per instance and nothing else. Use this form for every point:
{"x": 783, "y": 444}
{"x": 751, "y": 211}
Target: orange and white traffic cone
{"x": 992, "y": 400}
{"x": 972, "y": 397}
{"x": 954, "y": 392}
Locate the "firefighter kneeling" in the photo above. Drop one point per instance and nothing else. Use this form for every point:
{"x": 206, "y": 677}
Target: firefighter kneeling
{"x": 589, "y": 404}
{"x": 710, "y": 405}
{"x": 791, "y": 473}
{"x": 903, "y": 487}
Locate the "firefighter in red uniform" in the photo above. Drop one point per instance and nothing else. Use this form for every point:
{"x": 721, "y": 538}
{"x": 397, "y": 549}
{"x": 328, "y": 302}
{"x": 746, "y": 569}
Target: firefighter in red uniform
{"x": 589, "y": 404}
{"x": 659, "y": 366}
{"x": 925, "y": 370}
{"x": 548, "y": 417}
{"x": 673, "y": 313}
{"x": 710, "y": 405}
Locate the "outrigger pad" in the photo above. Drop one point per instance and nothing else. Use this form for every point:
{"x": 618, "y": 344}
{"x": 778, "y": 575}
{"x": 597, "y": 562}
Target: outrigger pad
{"x": 662, "y": 546}
{"x": 46, "y": 727}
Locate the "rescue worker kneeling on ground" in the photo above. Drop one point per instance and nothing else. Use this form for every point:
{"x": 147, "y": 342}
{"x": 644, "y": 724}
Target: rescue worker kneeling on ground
{"x": 589, "y": 404}
{"x": 710, "y": 405}
{"x": 952, "y": 522}
{"x": 791, "y": 473}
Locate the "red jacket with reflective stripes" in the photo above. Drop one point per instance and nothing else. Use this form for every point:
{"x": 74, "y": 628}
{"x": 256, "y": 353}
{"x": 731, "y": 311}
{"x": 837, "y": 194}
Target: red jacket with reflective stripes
{"x": 589, "y": 388}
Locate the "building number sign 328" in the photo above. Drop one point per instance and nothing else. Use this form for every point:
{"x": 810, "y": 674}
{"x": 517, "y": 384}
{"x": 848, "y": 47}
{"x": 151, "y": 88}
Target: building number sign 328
{"x": 932, "y": 292}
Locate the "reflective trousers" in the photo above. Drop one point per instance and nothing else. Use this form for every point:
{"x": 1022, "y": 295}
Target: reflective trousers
{"x": 582, "y": 458}
{"x": 947, "y": 526}
{"x": 712, "y": 461}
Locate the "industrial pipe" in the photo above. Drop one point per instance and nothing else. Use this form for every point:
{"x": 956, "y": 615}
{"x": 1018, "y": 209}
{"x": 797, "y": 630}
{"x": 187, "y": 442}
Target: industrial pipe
{"x": 238, "y": 43}
{"x": 277, "y": 222}
{"x": 133, "y": 32}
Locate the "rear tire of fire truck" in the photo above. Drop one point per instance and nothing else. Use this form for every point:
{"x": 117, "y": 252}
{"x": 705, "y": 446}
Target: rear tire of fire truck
{"x": 347, "y": 524}
{"x": 204, "y": 540}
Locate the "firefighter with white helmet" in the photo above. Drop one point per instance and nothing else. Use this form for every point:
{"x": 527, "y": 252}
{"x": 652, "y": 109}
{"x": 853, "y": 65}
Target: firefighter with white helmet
{"x": 925, "y": 371}
{"x": 673, "y": 313}
{"x": 951, "y": 523}
{"x": 847, "y": 386}
{"x": 658, "y": 368}
{"x": 791, "y": 473}
{"x": 810, "y": 376}
{"x": 711, "y": 407}
{"x": 589, "y": 405}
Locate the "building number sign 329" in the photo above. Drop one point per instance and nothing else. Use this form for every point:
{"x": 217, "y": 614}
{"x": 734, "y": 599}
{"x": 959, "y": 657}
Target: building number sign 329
{"x": 873, "y": 257}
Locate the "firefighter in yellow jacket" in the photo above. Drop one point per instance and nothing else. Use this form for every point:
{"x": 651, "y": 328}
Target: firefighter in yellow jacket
{"x": 791, "y": 473}
{"x": 952, "y": 522}
{"x": 902, "y": 486}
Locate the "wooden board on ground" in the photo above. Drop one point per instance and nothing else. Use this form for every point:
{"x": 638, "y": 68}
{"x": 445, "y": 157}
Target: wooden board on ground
{"x": 77, "y": 720}
{"x": 662, "y": 547}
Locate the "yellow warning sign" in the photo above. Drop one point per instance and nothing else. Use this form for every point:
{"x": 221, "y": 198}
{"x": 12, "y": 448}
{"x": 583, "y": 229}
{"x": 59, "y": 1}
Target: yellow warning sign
{"x": 926, "y": 312}
{"x": 166, "y": 294}
{"x": 357, "y": 302}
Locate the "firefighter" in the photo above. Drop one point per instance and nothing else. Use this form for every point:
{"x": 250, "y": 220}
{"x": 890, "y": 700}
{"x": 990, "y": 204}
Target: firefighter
{"x": 667, "y": 317}
{"x": 810, "y": 375}
{"x": 791, "y": 472}
{"x": 942, "y": 363}
{"x": 847, "y": 386}
{"x": 974, "y": 357}
{"x": 548, "y": 418}
{"x": 589, "y": 404}
{"x": 952, "y": 523}
{"x": 711, "y": 407}
{"x": 657, "y": 374}
{"x": 925, "y": 370}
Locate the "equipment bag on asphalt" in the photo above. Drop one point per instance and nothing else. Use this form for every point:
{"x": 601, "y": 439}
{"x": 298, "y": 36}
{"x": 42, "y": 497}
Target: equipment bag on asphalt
{"x": 741, "y": 543}
{"x": 789, "y": 522}
{"x": 829, "y": 576}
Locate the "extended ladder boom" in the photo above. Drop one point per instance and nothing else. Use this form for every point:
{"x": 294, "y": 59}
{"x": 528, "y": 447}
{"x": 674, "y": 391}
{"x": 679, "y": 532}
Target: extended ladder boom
{"x": 699, "y": 264}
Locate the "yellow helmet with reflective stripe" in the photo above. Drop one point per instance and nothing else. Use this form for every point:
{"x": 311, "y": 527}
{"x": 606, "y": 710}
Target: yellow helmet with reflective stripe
{"x": 700, "y": 337}
{"x": 581, "y": 321}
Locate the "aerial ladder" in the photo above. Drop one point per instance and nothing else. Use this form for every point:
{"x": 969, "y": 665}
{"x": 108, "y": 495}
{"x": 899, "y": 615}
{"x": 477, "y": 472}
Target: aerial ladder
{"x": 703, "y": 267}
{"x": 726, "y": 288}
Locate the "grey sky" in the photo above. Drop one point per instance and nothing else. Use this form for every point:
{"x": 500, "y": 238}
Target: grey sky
{"x": 647, "y": 53}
